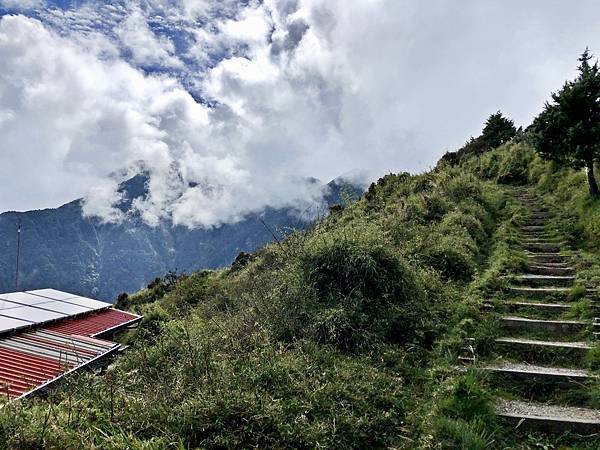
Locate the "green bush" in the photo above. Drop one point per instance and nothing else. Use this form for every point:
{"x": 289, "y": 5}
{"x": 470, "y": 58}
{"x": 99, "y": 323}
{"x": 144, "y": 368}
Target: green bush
{"x": 452, "y": 255}
{"x": 469, "y": 400}
{"x": 455, "y": 220}
{"x": 366, "y": 290}
{"x": 463, "y": 435}
{"x": 514, "y": 168}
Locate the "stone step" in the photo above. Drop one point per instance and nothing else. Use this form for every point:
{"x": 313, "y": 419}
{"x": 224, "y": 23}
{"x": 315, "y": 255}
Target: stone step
{"x": 560, "y": 265}
{"x": 542, "y": 240}
{"x": 549, "y": 418}
{"x": 539, "y": 291}
{"x": 533, "y": 228}
{"x": 539, "y": 234}
{"x": 556, "y": 307}
{"x": 559, "y": 327}
{"x": 535, "y": 280}
{"x": 545, "y": 258}
{"x": 466, "y": 360}
{"x": 551, "y": 270}
{"x": 522, "y": 342}
{"x": 539, "y": 215}
{"x": 541, "y": 247}
{"x": 535, "y": 222}
{"x": 536, "y": 236}
{"x": 532, "y": 370}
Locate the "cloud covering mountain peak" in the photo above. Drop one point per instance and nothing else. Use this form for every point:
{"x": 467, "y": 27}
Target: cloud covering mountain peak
{"x": 253, "y": 97}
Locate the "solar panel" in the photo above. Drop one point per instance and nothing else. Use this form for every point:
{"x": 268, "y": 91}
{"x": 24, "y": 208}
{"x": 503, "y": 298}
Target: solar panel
{"x": 23, "y": 298}
{"x": 33, "y": 315}
{"x": 70, "y": 298}
{"x": 8, "y": 323}
{"x": 53, "y": 294}
{"x": 63, "y": 308}
{"x": 19, "y": 309}
{"x": 88, "y": 303}
{"x": 8, "y": 305}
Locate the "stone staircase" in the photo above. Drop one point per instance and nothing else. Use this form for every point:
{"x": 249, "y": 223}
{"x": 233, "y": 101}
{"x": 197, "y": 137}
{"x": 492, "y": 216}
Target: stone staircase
{"x": 541, "y": 356}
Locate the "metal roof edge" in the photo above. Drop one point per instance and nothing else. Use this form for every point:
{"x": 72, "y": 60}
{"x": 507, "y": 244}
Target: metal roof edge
{"x": 120, "y": 326}
{"x": 42, "y": 387}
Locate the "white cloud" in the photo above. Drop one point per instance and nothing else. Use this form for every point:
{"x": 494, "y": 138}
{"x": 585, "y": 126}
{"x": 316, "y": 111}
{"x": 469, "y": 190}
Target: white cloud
{"x": 297, "y": 88}
{"x": 146, "y": 48}
{"x": 21, "y": 5}
{"x": 80, "y": 117}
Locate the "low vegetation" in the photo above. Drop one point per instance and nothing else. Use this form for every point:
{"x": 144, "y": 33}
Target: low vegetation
{"x": 345, "y": 335}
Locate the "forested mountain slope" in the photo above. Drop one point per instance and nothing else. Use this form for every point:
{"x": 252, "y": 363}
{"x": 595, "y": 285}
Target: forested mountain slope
{"x": 62, "y": 249}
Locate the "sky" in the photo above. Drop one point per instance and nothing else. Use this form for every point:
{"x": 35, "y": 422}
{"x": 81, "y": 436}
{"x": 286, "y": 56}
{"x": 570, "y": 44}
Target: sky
{"x": 231, "y": 106}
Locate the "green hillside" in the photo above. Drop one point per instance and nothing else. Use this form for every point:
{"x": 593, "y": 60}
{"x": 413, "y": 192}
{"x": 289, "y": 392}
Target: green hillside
{"x": 345, "y": 335}
{"x": 63, "y": 249}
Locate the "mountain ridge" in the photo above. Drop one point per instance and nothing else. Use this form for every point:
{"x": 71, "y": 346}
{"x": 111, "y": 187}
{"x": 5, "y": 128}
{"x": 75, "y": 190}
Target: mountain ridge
{"x": 63, "y": 249}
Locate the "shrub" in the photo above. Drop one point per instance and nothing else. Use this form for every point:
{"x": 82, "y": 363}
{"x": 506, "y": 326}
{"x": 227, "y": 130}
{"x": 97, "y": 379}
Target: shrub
{"x": 456, "y": 220}
{"x": 460, "y": 434}
{"x": 366, "y": 290}
{"x": 452, "y": 255}
{"x": 514, "y": 168}
{"x": 462, "y": 186}
{"x": 469, "y": 400}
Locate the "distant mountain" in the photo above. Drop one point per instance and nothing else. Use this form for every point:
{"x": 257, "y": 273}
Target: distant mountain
{"x": 62, "y": 249}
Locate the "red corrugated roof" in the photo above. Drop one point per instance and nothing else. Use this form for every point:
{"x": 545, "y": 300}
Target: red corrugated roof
{"x": 42, "y": 353}
{"x": 94, "y": 324}
{"x": 32, "y": 359}
{"x": 20, "y": 372}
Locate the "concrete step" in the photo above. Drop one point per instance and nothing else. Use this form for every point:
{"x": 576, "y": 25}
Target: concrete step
{"x": 542, "y": 247}
{"x": 560, "y": 265}
{"x": 535, "y": 222}
{"x": 535, "y": 343}
{"x": 534, "y": 239}
{"x": 539, "y": 291}
{"x": 545, "y": 258}
{"x": 539, "y": 236}
{"x": 549, "y": 418}
{"x": 551, "y": 270}
{"x": 535, "y": 280}
{"x": 556, "y": 307}
{"x": 532, "y": 370}
{"x": 539, "y": 214}
{"x": 466, "y": 360}
{"x": 533, "y": 228}
{"x": 558, "y": 327}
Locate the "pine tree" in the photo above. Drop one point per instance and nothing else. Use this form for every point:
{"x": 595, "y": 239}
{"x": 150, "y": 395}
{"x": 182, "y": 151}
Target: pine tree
{"x": 568, "y": 130}
{"x": 498, "y": 130}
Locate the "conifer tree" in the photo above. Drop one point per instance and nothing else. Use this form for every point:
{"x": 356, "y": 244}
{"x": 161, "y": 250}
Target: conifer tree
{"x": 568, "y": 129}
{"x": 498, "y": 130}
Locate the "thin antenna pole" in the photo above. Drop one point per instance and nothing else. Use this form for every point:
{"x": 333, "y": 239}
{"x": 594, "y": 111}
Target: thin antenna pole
{"x": 18, "y": 254}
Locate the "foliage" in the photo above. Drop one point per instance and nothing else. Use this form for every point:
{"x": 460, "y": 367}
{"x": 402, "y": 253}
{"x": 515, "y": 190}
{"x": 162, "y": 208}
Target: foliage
{"x": 568, "y": 130}
{"x": 344, "y": 335}
{"x": 497, "y": 130}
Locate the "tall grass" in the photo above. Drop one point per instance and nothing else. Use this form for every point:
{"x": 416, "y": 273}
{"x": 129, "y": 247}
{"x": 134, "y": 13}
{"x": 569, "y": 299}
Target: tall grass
{"x": 345, "y": 335}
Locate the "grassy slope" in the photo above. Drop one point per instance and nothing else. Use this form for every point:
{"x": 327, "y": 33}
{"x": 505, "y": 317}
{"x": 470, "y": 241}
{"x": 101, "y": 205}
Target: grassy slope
{"x": 343, "y": 336}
